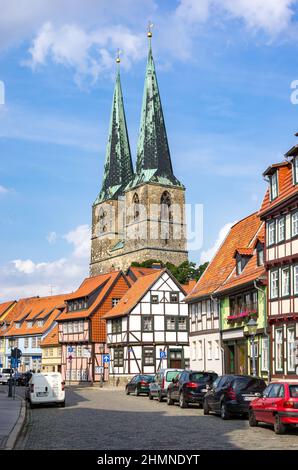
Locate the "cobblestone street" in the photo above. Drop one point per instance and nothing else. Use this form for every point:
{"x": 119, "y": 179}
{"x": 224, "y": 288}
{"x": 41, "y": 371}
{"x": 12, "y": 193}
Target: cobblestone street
{"x": 108, "y": 419}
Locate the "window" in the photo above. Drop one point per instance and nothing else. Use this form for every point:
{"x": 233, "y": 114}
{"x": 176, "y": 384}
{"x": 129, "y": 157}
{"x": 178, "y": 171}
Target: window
{"x": 29, "y": 324}
{"x": 281, "y": 232}
{"x": 271, "y": 233}
{"x": 278, "y": 350}
{"x": 295, "y": 280}
{"x": 40, "y": 323}
{"x": 51, "y": 352}
{"x": 285, "y": 281}
{"x": 260, "y": 255}
{"x": 182, "y": 323}
{"x": 147, "y": 323}
{"x": 136, "y": 207}
{"x": 273, "y": 186}
{"x": 33, "y": 342}
{"x": 75, "y": 327}
{"x": 154, "y": 299}
{"x": 216, "y": 349}
{"x": 274, "y": 284}
{"x": 102, "y": 221}
{"x": 170, "y": 323}
{"x": 295, "y": 224}
{"x": 291, "y": 349}
{"x": 174, "y": 297}
{"x": 239, "y": 265}
{"x": 118, "y": 357}
{"x": 117, "y": 325}
{"x": 200, "y": 311}
{"x": 64, "y": 328}
{"x": 200, "y": 350}
{"x": 148, "y": 356}
{"x": 265, "y": 354}
{"x": 295, "y": 170}
{"x": 70, "y": 306}
{"x": 18, "y": 325}
{"x": 215, "y": 308}
{"x": 208, "y": 308}
{"x": 193, "y": 312}
{"x": 38, "y": 342}
{"x": 26, "y": 343}
{"x": 165, "y": 202}
{"x": 194, "y": 350}
{"x": 209, "y": 350}
{"x": 115, "y": 301}
{"x": 79, "y": 350}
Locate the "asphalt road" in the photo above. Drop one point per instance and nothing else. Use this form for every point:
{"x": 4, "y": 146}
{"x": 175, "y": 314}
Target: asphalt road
{"x": 108, "y": 419}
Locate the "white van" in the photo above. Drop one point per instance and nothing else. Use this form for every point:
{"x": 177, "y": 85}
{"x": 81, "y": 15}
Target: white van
{"x": 44, "y": 388}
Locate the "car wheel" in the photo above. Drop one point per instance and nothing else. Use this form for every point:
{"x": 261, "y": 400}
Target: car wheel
{"x": 160, "y": 397}
{"x": 279, "y": 427}
{"x": 62, "y": 404}
{"x": 224, "y": 414}
{"x": 127, "y": 391}
{"x": 150, "y": 396}
{"x": 252, "y": 419}
{"x": 169, "y": 399}
{"x": 206, "y": 407}
{"x": 182, "y": 402}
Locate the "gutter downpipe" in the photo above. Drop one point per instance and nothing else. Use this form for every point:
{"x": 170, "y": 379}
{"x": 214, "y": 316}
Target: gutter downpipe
{"x": 266, "y": 326}
{"x": 223, "y": 362}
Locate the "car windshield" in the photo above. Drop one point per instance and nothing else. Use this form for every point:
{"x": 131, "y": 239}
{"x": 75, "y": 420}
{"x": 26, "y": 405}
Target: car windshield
{"x": 147, "y": 378}
{"x": 172, "y": 374}
{"x": 248, "y": 384}
{"x": 199, "y": 377}
{"x": 293, "y": 391}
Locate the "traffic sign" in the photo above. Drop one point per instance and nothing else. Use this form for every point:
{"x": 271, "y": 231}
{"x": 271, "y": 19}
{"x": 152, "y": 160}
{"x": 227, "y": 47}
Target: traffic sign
{"x": 70, "y": 349}
{"x": 70, "y": 358}
{"x": 106, "y": 358}
{"x": 16, "y": 353}
{"x": 162, "y": 354}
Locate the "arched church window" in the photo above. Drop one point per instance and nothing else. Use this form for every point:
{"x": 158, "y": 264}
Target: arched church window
{"x": 102, "y": 221}
{"x": 165, "y": 202}
{"x": 136, "y": 206}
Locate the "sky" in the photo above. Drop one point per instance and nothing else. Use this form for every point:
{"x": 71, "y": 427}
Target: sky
{"x": 225, "y": 69}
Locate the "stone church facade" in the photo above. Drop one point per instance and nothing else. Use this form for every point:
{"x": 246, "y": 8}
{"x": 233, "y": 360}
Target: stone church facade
{"x": 138, "y": 215}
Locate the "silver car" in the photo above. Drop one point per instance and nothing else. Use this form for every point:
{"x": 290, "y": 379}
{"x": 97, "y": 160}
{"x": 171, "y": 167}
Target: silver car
{"x": 159, "y": 387}
{"x": 5, "y": 375}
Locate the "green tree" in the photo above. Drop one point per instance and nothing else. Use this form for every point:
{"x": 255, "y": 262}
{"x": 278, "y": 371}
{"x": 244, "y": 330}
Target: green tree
{"x": 183, "y": 272}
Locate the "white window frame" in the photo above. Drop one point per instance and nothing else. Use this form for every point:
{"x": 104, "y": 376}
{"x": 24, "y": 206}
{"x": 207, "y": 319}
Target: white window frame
{"x": 278, "y": 336}
{"x": 281, "y": 224}
{"x": 285, "y": 281}
{"x": 273, "y": 273}
{"x": 294, "y": 224}
{"x": 200, "y": 350}
{"x": 209, "y": 350}
{"x": 265, "y": 353}
{"x": 271, "y": 233}
{"x": 274, "y": 185}
{"x": 291, "y": 349}
{"x": 295, "y": 279}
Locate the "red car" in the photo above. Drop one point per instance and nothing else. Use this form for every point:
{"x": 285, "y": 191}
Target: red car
{"x": 278, "y": 406}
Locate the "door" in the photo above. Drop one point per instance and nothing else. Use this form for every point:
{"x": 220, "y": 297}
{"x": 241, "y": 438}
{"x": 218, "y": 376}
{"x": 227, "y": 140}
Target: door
{"x": 212, "y": 392}
{"x": 175, "y": 359}
{"x": 242, "y": 368}
{"x": 275, "y": 396}
{"x": 231, "y": 358}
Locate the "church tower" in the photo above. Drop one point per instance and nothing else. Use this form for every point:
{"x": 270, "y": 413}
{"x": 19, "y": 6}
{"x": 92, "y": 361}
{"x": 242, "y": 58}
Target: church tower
{"x": 153, "y": 207}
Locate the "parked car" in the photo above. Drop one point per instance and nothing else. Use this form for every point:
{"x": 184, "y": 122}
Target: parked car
{"x": 139, "y": 384}
{"x": 46, "y": 388}
{"x": 189, "y": 387}
{"x": 159, "y": 386}
{"x": 5, "y": 375}
{"x": 278, "y": 406}
{"x": 22, "y": 378}
{"x": 230, "y": 395}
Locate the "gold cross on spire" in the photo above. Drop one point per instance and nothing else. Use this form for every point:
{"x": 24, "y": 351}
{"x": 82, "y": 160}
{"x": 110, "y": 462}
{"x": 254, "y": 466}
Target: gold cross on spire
{"x": 150, "y": 26}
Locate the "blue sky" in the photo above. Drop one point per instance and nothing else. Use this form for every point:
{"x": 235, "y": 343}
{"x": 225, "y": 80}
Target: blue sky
{"x": 224, "y": 70}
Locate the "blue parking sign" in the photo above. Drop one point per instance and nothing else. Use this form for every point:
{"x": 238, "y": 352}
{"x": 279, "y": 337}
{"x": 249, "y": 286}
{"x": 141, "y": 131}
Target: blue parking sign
{"x": 162, "y": 354}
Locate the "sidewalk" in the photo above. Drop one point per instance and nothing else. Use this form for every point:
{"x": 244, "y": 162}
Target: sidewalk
{"x": 12, "y": 416}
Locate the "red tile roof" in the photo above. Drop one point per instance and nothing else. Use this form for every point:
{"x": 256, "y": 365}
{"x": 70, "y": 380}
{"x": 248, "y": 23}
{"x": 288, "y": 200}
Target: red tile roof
{"x": 241, "y": 234}
{"x": 244, "y": 252}
{"x": 5, "y": 306}
{"x": 51, "y": 339}
{"x": 103, "y": 283}
{"x": 250, "y": 273}
{"x": 286, "y": 188}
{"x": 134, "y": 294}
{"x": 139, "y": 272}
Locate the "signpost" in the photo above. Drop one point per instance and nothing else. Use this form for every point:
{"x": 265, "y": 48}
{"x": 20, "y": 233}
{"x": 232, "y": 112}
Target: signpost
{"x": 162, "y": 354}
{"x": 15, "y": 356}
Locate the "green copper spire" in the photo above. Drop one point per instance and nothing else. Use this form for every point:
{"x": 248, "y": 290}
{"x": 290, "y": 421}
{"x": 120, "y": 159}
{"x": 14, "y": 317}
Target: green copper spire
{"x": 153, "y": 154}
{"x": 118, "y": 169}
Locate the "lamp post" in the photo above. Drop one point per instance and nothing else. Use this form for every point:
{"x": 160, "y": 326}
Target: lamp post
{"x": 252, "y": 330}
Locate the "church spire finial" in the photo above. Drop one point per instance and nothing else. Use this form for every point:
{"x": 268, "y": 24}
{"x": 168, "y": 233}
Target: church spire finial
{"x": 118, "y": 60}
{"x": 149, "y": 32}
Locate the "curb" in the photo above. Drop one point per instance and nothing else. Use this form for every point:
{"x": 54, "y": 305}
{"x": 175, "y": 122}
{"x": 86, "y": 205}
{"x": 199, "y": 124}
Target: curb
{"x": 13, "y": 436}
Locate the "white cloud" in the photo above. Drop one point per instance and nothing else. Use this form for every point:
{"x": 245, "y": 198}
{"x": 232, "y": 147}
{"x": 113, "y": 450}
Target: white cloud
{"x": 207, "y": 255}
{"x": 25, "y": 277}
{"x": 3, "y": 190}
{"x": 52, "y": 237}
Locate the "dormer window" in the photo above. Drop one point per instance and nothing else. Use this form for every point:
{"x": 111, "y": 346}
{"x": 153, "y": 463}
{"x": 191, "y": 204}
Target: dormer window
{"x": 260, "y": 254}
{"x": 40, "y": 323}
{"x": 239, "y": 265}
{"x": 18, "y": 325}
{"x": 273, "y": 186}
{"x": 29, "y": 324}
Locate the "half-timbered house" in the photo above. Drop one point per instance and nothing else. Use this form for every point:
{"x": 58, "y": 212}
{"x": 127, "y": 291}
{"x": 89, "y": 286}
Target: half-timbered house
{"x": 280, "y": 212}
{"x": 82, "y": 331}
{"x": 148, "y": 328}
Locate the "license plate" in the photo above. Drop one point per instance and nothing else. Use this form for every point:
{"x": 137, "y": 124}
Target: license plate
{"x": 42, "y": 394}
{"x": 249, "y": 398}
{"x": 204, "y": 390}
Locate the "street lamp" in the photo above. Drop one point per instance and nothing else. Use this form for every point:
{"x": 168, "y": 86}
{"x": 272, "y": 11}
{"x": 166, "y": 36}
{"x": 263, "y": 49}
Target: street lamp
{"x": 252, "y": 327}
